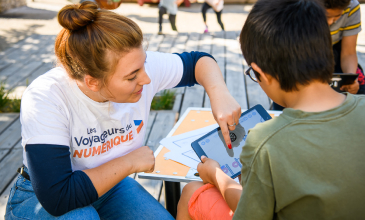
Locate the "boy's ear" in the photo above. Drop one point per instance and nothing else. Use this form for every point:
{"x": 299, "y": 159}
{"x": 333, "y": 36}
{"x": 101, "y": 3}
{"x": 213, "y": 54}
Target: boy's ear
{"x": 92, "y": 83}
{"x": 266, "y": 78}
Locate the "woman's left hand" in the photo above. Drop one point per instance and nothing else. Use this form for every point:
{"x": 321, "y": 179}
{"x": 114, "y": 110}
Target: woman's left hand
{"x": 225, "y": 108}
{"x": 226, "y": 112}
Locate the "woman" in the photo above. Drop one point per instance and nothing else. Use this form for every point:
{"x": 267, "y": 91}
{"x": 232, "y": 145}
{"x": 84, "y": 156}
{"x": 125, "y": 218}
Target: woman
{"x": 83, "y": 123}
{"x": 217, "y": 6}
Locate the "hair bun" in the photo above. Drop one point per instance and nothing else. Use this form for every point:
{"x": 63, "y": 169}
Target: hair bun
{"x": 74, "y": 17}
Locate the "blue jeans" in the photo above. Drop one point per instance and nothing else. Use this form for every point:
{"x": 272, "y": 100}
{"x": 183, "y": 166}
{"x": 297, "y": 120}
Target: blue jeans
{"x": 127, "y": 200}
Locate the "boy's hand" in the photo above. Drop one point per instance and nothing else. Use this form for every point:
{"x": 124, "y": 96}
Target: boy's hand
{"x": 207, "y": 169}
{"x": 352, "y": 88}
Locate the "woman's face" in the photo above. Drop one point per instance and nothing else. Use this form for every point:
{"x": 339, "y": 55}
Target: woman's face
{"x": 126, "y": 84}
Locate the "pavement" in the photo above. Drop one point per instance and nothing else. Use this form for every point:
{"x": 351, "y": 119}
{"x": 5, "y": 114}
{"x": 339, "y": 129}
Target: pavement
{"x": 40, "y": 17}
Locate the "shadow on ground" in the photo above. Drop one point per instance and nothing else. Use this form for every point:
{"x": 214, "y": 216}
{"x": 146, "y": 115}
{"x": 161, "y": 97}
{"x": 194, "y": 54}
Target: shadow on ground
{"x": 144, "y": 19}
{"x": 29, "y": 13}
{"x": 16, "y": 35}
{"x": 196, "y": 8}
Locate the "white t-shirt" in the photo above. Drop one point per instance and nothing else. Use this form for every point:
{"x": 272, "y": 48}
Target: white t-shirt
{"x": 215, "y": 7}
{"x": 55, "y": 111}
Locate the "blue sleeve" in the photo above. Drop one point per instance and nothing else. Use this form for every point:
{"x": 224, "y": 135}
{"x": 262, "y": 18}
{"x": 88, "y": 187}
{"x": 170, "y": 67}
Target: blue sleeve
{"x": 58, "y": 189}
{"x": 189, "y": 61}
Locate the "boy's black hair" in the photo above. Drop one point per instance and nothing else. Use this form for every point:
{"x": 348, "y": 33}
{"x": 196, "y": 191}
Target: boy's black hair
{"x": 289, "y": 40}
{"x": 336, "y": 4}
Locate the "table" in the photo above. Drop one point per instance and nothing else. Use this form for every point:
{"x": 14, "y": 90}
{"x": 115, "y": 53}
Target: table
{"x": 171, "y": 172}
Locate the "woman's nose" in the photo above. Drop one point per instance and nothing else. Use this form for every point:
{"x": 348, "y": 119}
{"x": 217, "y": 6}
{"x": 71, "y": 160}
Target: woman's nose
{"x": 145, "y": 79}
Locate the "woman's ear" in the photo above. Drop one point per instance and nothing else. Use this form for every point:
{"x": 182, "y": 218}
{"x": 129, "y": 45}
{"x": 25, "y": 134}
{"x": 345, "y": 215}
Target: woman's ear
{"x": 266, "y": 78}
{"x": 92, "y": 83}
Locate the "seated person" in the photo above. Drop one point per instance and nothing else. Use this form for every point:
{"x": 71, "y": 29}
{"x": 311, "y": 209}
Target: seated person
{"x": 344, "y": 20}
{"x": 84, "y": 122}
{"x": 305, "y": 163}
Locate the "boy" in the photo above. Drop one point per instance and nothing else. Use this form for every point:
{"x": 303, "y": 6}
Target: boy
{"x": 308, "y": 163}
{"x": 344, "y": 20}
{"x": 170, "y": 7}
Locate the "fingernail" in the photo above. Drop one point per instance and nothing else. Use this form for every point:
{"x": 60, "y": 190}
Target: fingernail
{"x": 202, "y": 157}
{"x": 230, "y": 146}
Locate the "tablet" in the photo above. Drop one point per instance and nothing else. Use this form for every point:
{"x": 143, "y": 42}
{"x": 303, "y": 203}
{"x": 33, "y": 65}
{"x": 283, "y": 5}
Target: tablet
{"x": 340, "y": 79}
{"x": 212, "y": 145}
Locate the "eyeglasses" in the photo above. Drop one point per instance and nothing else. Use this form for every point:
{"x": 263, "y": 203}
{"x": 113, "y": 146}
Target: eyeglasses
{"x": 251, "y": 73}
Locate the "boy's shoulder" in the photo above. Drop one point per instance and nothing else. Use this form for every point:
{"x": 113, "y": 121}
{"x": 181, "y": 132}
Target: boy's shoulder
{"x": 351, "y": 10}
{"x": 262, "y": 132}
{"x": 353, "y": 7}
{"x": 293, "y": 124}
{"x": 353, "y": 4}
{"x": 260, "y": 135}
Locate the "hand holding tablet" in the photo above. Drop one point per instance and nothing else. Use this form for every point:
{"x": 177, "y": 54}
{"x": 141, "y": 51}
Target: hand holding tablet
{"x": 207, "y": 169}
{"x": 342, "y": 79}
{"x": 212, "y": 145}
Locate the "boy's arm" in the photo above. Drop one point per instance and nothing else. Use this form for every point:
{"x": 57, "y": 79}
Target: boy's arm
{"x": 348, "y": 54}
{"x": 210, "y": 172}
{"x": 254, "y": 201}
{"x": 257, "y": 200}
{"x": 349, "y": 61}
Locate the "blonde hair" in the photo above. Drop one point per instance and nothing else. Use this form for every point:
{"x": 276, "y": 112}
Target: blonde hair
{"x": 93, "y": 40}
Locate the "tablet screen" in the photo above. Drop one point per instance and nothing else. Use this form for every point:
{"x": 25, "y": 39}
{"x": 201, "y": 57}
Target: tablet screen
{"x": 214, "y": 145}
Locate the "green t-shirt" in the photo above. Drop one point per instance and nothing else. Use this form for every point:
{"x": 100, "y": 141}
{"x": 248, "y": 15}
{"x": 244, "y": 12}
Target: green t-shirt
{"x": 305, "y": 165}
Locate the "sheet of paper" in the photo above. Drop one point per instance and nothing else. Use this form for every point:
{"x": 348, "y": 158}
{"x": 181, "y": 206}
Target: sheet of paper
{"x": 188, "y": 158}
{"x": 180, "y": 146}
{"x": 191, "y": 174}
{"x": 184, "y": 140}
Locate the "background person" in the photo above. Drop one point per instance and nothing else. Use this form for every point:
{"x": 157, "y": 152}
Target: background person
{"x": 344, "y": 19}
{"x": 168, "y": 7}
{"x": 291, "y": 163}
{"x": 217, "y": 6}
{"x": 83, "y": 123}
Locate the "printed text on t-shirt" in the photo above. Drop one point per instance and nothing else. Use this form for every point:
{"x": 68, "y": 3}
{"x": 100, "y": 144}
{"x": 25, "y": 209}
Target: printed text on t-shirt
{"x": 90, "y": 140}
{"x": 105, "y": 145}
